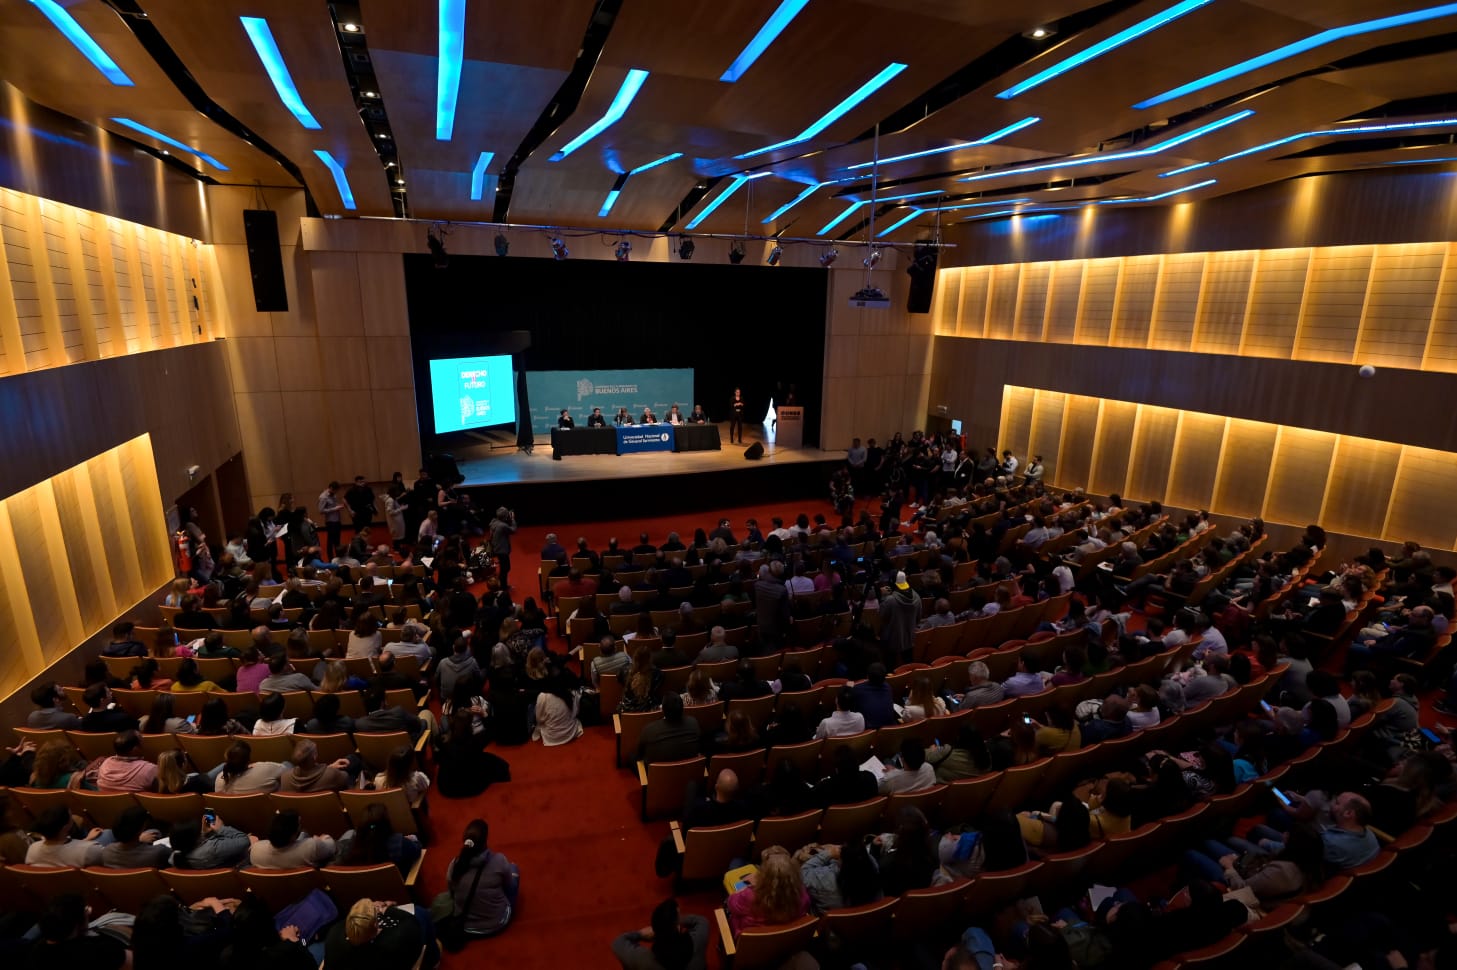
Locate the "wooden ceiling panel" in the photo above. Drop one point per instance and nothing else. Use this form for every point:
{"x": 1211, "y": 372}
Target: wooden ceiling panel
{"x": 529, "y": 34}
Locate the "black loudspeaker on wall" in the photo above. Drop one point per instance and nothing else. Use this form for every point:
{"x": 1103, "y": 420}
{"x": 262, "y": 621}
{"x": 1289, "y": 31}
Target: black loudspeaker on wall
{"x": 755, "y": 451}
{"x": 265, "y": 260}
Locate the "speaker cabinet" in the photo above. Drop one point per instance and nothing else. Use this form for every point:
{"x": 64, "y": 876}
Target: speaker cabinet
{"x": 265, "y": 260}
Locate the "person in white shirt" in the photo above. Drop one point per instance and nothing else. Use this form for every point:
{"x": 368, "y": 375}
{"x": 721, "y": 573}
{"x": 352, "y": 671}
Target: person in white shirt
{"x": 430, "y": 528}
{"x": 799, "y": 584}
{"x": 948, "y": 460}
{"x": 1010, "y": 464}
{"x": 1211, "y": 641}
{"x": 844, "y": 721}
{"x": 913, "y": 775}
{"x": 784, "y": 534}
{"x": 1034, "y": 469}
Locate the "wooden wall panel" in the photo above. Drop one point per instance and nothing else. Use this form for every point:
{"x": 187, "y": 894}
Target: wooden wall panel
{"x": 1226, "y": 295}
{"x": 1048, "y": 408}
{"x": 945, "y": 301}
{"x": 1335, "y": 293}
{"x": 76, "y": 515}
{"x": 1399, "y": 304}
{"x": 22, "y": 655}
{"x": 1152, "y": 453}
{"x": 1275, "y": 298}
{"x": 1421, "y": 506}
{"x": 1298, "y": 475}
{"x": 1111, "y": 447}
{"x": 975, "y": 286}
{"x": 1441, "y": 352}
{"x": 1002, "y": 301}
{"x": 1177, "y": 307}
{"x": 1242, "y": 478}
{"x": 1133, "y": 315}
{"x": 1032, "y": 301}
{"x": 1065, "y": 295}
{"x": 1359, "y": 488}
{"x": 1100, "y": 293}
{"x": 1196, "y": 458}
{"x": 1016, "y": 428}
{"x": 1075, "y": 447}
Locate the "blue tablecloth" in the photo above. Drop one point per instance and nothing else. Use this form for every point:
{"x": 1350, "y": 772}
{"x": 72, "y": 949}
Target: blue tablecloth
{"x": 649, "y": 437}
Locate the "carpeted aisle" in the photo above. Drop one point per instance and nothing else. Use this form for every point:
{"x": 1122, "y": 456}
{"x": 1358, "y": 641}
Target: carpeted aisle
{"x": 568, "y": 818}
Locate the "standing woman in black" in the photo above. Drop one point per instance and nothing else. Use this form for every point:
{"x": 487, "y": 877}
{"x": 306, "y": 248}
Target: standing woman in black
{"x": 736, "y": 417}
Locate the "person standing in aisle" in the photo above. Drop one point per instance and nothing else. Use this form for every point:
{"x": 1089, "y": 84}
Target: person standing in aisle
{"x": 736, "y": 417}
{"x": 501, "y": 528}
{"x": 330, "y": 508}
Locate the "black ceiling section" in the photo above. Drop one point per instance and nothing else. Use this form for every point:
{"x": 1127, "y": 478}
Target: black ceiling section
{"x": 1354, "y": 146}
{"x": 1430, "y": 104}
{"x": 359, "y": 69}
{"x": 695, "y": 195}
{"x": 562, "y": 104}
{"x": 136, "y": 20}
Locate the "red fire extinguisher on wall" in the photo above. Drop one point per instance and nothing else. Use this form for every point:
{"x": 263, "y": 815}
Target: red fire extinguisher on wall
{"x": 183, "y": 546}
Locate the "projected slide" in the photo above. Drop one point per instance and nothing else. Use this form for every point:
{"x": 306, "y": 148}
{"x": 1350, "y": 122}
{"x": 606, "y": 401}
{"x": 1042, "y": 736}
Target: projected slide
{"x": 472, "y": 392}
{"x": 579, "y": 391}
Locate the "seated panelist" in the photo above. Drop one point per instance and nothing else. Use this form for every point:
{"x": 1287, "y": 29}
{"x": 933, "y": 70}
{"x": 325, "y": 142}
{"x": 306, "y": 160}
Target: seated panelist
{"x": 648, "y": 417}
{"x": 623, "y": 419}
{"x": 698, "y": 417}
{"x": 675, "y": 417}
{"x": 564, "y": 421}
{"x": 596, "y": 419}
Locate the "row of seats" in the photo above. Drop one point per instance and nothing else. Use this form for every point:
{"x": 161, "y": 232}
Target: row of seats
{"x": 207, "y": 751}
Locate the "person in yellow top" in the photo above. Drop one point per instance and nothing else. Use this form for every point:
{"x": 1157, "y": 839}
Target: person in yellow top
{"x": 190, "y": 680}
{"x": 1060, "y": 733}
{"x": 1108, "y": 811}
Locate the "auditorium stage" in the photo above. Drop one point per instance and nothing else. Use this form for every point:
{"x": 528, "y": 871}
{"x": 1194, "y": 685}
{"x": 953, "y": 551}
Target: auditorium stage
{"x": 587, "y": 487}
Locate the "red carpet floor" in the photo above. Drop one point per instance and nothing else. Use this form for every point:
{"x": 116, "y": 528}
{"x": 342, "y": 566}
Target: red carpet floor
{"x": 568, "y": 818}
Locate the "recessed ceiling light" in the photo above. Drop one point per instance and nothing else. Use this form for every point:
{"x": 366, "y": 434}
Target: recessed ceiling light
{"x": 369, "y": 94}
{"x": 166, "y": 152}
{"x": 1037, "y": 32}
{"x": 352, "y": 28}
{"x": 382, "y": 135}
{"x": 389, "y": 164}
{"x": 399, "y": 181}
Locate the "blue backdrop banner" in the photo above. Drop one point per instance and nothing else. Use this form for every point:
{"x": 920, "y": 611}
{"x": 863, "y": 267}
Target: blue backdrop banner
{"x": 579, "y": 391}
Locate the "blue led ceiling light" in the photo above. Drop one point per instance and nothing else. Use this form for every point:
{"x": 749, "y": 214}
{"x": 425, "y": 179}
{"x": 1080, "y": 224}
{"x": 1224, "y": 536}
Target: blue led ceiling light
{"x": 268, "y": 52}
{"x": 1161, "y": 195}
{"x": 839, "y": 218}
{"x": 909, "y": 195}
{"x": 1181, "y": 171}
{"x": 898, "y": 223}
{"x": 767, "y": 34}
{"x": 809, "y": 190}
{"x": 609, "y": 203}
{"x": 1320, "y": 39}
{"x": 979, "y": 205}
{"x": 452, "y": 56}
{"x": 478, "y": 176}
{"x": 168, "y": 140}
{"x": 738, "y": 183}
{"x": 630, "y": 87}
{"x": 82, "y": 41}
{"x": 654, "y": 164}
{"x": 1153, "y": 149}
{"x": 837, "y": 112}
{"x": 1104, "y": 46}
{"x": 984, "y": 140}
{"x": 341, "y": 181}
{"x": 1332, "y": 132}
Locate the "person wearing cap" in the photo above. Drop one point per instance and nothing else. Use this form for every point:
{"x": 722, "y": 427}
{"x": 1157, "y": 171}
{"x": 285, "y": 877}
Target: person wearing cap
{"x": 900, "y": 611}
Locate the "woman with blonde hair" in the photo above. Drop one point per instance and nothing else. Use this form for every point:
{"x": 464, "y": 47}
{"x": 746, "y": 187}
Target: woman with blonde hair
{"x": 922, "y": 701}
{"x": 180, "y": 586}
{"x": 335, "y": 679}
{"x": 374, "y": 936}
{"x": 700, "y": 689}
{"x": 776, "y": 894}
{"x": 175, "y": 775}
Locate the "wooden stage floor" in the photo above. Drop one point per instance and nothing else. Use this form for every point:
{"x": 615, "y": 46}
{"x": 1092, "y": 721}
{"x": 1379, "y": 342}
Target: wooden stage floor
{"x": 511, "y": 466}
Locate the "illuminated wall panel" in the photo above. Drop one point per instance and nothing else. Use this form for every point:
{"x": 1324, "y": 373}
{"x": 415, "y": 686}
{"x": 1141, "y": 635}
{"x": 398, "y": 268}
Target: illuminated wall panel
{"x": 1442, "y": 337}
{"x": 1016, "y": 420}
{"x": 1242, "y": 479}
{"x": 1002, "y": 300}
{"x": 1112, "y": 446}
{"x": 974, "y": 288}
{"x": 1032, "y": 301}
{"x": 1177, "y": 307}
{"x": 1226, "y": 295}
{"x": 1335, "y": 294}
{"x": 1152, "y": 453}
{"x": 1136, "y": 291}
{"x": 1276, "y": 293}
{"x": 1075, "y": 447}
{"x": 1398, "y": 315}
{"x": 1299, "y": 475}
{"x": 1062, "y": 303}
{"x": 1195, "y": 461}
{"x": 1100, "y": 292}
{"x": 1359, "y": 490}
{"x": 1047, "y": 420}
{"x": 1421, "y": 498}
{"x": 75, "y": 550}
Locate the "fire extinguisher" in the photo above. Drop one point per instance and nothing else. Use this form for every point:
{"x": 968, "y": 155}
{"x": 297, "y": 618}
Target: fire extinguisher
{"x": 184, "y": 552}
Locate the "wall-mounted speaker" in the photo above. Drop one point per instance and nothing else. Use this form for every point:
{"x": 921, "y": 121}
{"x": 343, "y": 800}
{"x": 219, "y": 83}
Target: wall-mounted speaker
{"x": 265, "y": 260}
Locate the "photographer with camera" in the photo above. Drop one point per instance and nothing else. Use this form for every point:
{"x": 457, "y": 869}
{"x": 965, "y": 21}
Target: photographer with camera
{"x": 501, "y": 528}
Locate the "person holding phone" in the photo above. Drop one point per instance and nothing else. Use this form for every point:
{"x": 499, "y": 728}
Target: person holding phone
{"x": 1239, "y": 864}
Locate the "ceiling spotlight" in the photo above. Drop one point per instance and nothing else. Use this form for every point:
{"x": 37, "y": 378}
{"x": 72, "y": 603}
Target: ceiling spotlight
{"x": 775, "y": 255}
{"x": 369, "y": 94}
{"x": 351, "y": 28}
{"x": 382, "y": 136}
{"x": 559, "y": 250}
{"x": 1040, "y": 32}
{"x": 828, "y": 257}
{"x": 871, "y": 261}
{"x": 503, "y": 245}
{"x": 624, "y": 248}
{"x": 399, "y": 181}
{"x": 437, "y": 249}
{"x": 736, "y": 254}
{"x": 685, "y": 248}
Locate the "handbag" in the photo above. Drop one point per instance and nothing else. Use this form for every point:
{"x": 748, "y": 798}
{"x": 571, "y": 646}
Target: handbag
{"x": 450, "y": 919}
{"x": 310, "y": 914}
{"x": 589, "y": 708}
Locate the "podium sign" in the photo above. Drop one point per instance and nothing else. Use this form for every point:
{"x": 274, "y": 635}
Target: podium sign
{"x": 789, "y": 432}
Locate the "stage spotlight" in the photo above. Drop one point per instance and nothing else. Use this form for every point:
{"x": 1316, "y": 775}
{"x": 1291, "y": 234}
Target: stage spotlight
{"x": 559, "y": 250}
{"x": 871, "y": 261}
{"x": 503, "y": 245}
{"x": 828, "y": 257}
{"x": 775, "y": 255}
{"x": 624, "y": 248}
{"x": 685, "y": 248}
{"x": 437, "y": 249}
{"x": 736, "y": 254}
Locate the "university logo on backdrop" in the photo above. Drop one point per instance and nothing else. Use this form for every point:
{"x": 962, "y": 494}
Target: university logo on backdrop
{"x": 584, "y": 389}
